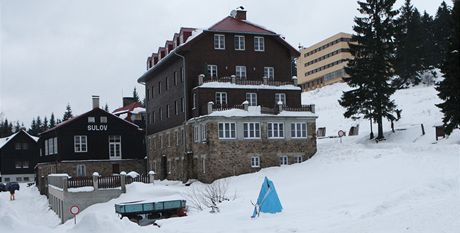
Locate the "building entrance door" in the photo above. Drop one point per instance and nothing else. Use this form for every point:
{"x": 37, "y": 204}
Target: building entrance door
{"x": 164, "y": 167}
{"x": 115, "y": 168}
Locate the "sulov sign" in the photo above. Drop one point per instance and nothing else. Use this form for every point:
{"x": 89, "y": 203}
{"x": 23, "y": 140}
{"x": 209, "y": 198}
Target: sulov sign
{"x": 97, "y": 127}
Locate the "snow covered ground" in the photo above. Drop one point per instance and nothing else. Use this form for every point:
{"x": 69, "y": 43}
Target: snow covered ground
{"x": 408, "y": 183}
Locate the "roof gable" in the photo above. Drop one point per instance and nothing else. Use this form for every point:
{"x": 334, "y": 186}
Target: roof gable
{"x": 128, "y": 108}
{"x": 230, "y": 24}
{"x": 5, "y": 140}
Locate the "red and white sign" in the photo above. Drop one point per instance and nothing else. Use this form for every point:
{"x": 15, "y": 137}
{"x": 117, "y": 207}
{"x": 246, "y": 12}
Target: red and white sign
{"x": 74, "y": 210}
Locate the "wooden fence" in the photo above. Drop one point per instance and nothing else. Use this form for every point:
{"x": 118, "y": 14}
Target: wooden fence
{"x": 76, "y": 182}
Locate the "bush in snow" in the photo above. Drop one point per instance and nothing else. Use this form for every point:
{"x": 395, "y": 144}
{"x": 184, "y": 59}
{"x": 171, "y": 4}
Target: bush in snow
{"x": 210, "y": 196}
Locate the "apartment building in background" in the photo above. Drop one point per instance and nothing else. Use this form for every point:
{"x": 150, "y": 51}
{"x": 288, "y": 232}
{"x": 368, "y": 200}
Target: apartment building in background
{"x": 323, "y": 63}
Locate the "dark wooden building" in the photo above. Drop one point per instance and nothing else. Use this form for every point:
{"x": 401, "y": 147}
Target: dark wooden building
{"x": 95, "y": 141}
{"x": 18, "y": 156}
{"x": 203, "y": 71}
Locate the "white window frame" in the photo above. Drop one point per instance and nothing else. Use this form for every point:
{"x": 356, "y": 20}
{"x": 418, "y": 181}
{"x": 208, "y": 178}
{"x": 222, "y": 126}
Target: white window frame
{"x": 25, "y": 164}
{"x": 299, "y": 130}
{"x": 46, "y": 147}
{"x": 259, "y": 43}
{"x": 284, "y": 160}
{"x": 78, "y": 146}
{"x": 255, "y": 161}
{"x": 240, "y": 72}
{"x": 196, "y": 133}
{"x": 226, "y": 130}
{"x": 251, "y": 97}
{"x": 251, "y": 130}
{"x": 212, "y": 71}
{"x": 115, "y": 152}
{"x": 298, "y": 159}
{"x": 103, "y": 119}
{"x": 269, "y": 72}
{"x": 204, "y": 133}
{"x": 240, "y": 43}
{"x": 282, "y": 97}
{"x": 219, "y": 41}
{"x": 55, "y": 145}
{"x": 91, "y": 119}
{"x": 274, "y": 130}
{"x": 220, "y": 97}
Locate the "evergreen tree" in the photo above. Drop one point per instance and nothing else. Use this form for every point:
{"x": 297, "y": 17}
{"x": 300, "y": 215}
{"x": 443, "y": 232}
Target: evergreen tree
{"x": 409, "y": 40}
{"x": 67, "y": 113}
{"x": 428, "y": 49}
{"x": 39, "y": 125}
{"x": 45, "y": 125}
{"x": 442, "y": 32}
{"x": 106, "y": 107}
{"x": 370, "y": 71}
{"x": 449, "y": 88}
{"x": 6, "y": 128}
{"x": 135, "y": 95}
{"x": 33, "y": 128}
{"x": 52, "y": 121}
{"x": 17, "y": 127}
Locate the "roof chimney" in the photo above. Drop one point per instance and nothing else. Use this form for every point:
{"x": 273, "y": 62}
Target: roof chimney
{"x": 239, "y": 13}
{"x": 95, "y": 101}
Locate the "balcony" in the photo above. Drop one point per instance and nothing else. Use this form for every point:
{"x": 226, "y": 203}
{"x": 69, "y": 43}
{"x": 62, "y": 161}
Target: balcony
{"x": 202, "y": 79}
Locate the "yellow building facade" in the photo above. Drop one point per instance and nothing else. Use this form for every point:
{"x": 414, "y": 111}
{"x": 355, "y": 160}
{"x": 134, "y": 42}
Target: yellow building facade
{"x": 323, "y": 63}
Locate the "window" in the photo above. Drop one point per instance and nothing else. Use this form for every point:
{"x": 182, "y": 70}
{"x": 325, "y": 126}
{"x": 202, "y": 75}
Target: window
{"x": 298, "y": 159}
{"x": 7, "y": 179}
{"x": 166, "y": 83}
{"x": 25, "y": 146}
{"x": 251, "y": 130}
{"x": 221, "y": 98}
{"x": 167, "y": 110}
{"x": 175, "y": 78}
{"x": 252, "y": 99}
{"x": 299, "y": 130}
{"x": 275, "y": 130}
{"x": 17, "y": 146}
{"x": 194, "y": 100}
{"x": 212, "y": 71}
{"x": 81, "y": 170}
{"x": 219, "y": 41}
{"x": 259, "y": 43}
{"x": 203, "y": 164}
{"x": 160, "y": 111}
{"x": 240, "y": 71}
{"x": 19, "y": 179}
{"x": 239, "y": 43}
{"x": 176, "y": 107}
{"x": 227, "y": 131}
{"x": 159, "y": 87}
{"x": 284, "y": 160}
{"x": 115, "y": 147}
{"x": 196, "y": 133}
{"x": 25, "y": 164}
{"x": 91, "y": 119}
{"x": 204, "y": 133}
{"x": 182, "y": 106}
{"x": 182, "y": 76}
{"x": 255, "y": 161}
{"x": 26, "y": 179}
{"x": 269, "y": 72}
{"x": 55, "y": 145}
{"x": 103, "y": 119}
{"x": 80, "y": 143}
{"x": 18, "y": 164}
{"x": 46, "y": 147}
{"x": 280, "y": 97}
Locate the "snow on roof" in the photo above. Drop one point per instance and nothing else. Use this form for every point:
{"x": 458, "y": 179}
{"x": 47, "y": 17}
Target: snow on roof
{"x": 5, "y": 140}
{"x": 240, "y": 86}
{"x": 138, "y": 110}
{"x": 256, "y": 111}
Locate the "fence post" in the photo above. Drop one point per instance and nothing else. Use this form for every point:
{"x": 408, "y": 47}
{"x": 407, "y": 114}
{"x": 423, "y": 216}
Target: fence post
{"x": 423, "y": 130}
{"x": 295, "y": 81}
{"x": 246, "y": 105}
{"x": 151, "y": 176}
{"x": 95, "y": 181}
{"x": 200, "y": 79}
{"x": 123, "y": 182}
{"x": 64, "y": 183}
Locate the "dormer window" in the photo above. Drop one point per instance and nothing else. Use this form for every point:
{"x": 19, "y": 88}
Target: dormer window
{"x": 259, "y": 44}
{"x": 219, "y": 41}
{"x": 239, "y": 43}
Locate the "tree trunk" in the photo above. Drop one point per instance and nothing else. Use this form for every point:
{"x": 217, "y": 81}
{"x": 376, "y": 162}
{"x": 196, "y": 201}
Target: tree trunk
{"x": 380, "y": 128}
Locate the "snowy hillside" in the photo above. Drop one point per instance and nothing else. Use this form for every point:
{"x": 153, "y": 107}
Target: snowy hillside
{"x": 408, "y": 183}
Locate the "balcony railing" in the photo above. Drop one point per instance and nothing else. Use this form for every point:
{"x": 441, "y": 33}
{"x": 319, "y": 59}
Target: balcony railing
{"x": 264, "y": 110}
{"x": 243, "y": 81}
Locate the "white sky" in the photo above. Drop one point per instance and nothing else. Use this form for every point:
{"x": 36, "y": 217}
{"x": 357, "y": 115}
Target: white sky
{"x": 55, "y": 52}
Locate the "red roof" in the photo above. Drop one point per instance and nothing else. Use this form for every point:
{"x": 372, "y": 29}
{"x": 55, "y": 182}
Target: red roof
{"x": 230, "y": 24}
{"x": 128, "y": 108}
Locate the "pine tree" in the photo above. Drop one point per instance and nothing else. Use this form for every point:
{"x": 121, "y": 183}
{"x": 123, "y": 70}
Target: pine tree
{"x": 39, "y": 125}
{"x": 441, "y": 33}
{"x": 106, "y": 107}
{"x": 409, "y": 40}
{"x": 428, "y": 48}
{"x": 45, "y": 125}
{"x": 17, "y": 127}
{"x": 450, "y": 86}
{"x": 135, "y": 95}
{"x": 68, "y": 113}
{"x": 52, "y": 121}
{"x": 33, "y": 128}
{"x": 370, "y": 71}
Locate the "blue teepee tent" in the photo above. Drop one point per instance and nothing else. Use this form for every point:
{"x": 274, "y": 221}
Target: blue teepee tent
{"x": 268, "y": 201}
